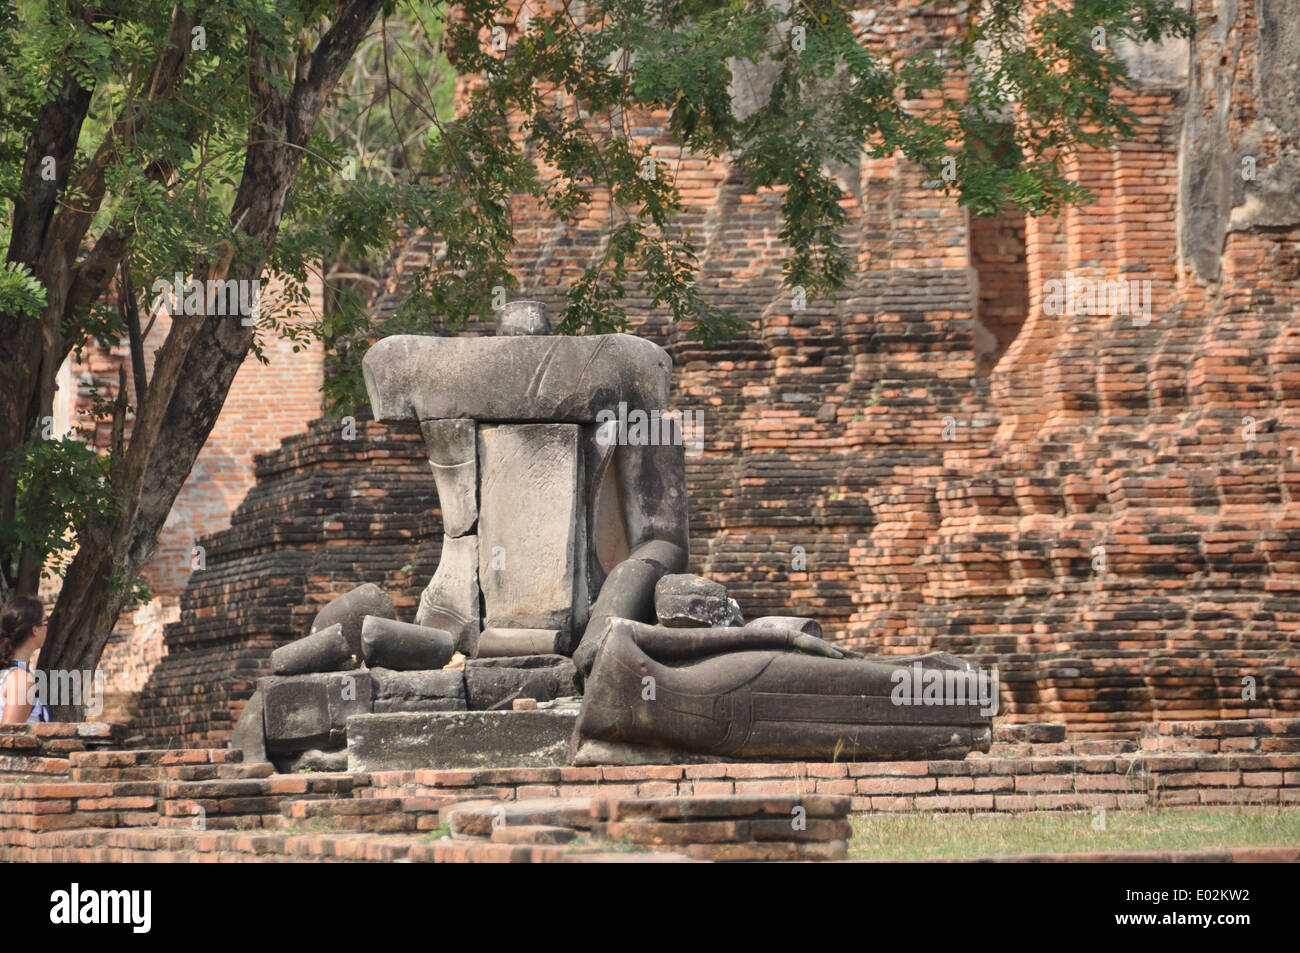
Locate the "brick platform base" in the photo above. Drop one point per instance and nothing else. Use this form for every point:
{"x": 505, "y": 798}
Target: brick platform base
{"x": 205, "y": 804}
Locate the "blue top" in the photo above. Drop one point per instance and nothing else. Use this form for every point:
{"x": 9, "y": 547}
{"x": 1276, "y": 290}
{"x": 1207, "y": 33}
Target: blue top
{"x": 39, "y": 711}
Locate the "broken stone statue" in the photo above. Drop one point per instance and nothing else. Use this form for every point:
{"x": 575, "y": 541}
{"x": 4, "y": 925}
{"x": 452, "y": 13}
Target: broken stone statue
{"x": 563, "y": 570}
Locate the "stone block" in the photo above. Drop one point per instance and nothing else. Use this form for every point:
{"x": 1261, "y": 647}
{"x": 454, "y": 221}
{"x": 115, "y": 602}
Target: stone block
{"x": 301, "y": 712}
{"x": 532, "y": 531}
{"x": 523, "y": 317}
{"x": 684, "y": 600}
{"x": 495, "y": 682}
{"x": 495, "y": 643}
{"x": 472, "y": 739}
{"x": 418, "y": 691}
{"x": 521, "y": 378}
{"x": 248, "y": 735}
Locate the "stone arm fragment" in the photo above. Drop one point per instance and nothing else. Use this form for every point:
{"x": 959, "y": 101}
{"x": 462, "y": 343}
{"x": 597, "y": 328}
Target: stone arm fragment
{"x": 680, "y": 645}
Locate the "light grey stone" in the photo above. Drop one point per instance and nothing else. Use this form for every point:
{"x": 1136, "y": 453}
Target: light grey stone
{"x": 451, "y": 599}
{"x": 525, "y": 378}
{"x": 494, "y": 643}
{"x": 472, "y": 739}
{"x": 532, "y": 532}
{"x": 323, "y": 651}
{"x": 686, "y": 601}
{"x": 349, "y": 609}
{"x": 400, "y": 645}
{"x": 453, "y": 455}
{"x": 797, "y": 623}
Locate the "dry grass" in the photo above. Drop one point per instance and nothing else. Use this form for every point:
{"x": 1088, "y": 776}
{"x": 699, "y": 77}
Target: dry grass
{"x": 935, "y": 836}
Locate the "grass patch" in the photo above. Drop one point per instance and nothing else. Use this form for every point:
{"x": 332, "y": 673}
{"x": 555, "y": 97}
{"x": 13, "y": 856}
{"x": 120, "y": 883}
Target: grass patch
{"x": 438, "y": 833}
{"x": 935, "y": 836}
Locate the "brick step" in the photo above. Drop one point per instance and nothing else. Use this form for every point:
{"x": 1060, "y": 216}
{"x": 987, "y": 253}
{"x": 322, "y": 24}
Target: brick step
{"x": 186, "y": 846}
{"x": 176, "y": 772}
{"x": 728, "y": 827}
{"x": 24, "y": 766}
{"x": 149, "y": 763}
{"x": 376, "y": 814}
{"x": 223, "y": 801}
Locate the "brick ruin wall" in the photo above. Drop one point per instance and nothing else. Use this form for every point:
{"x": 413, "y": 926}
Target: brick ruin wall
{"x": 1106, "y": 506}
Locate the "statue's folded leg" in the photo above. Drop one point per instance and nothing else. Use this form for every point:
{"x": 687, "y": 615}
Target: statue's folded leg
{"x": 783, "y": 705}
{"x": 628, "y": 593}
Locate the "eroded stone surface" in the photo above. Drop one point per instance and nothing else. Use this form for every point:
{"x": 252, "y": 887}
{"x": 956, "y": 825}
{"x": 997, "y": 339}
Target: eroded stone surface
{"x": 301, "y": 712}
{"x": 450, "y": 601}
{"x": 453, "y": 455}
{"x": 525, "y": 378}
{"x": 773, "y": 694}
{"x": 494, "y": 682}
{"x": 684, "y": 600}
{"x": 523, "y": 317}
{"x": 532, "y": 532}
{"x": 442, "y": 690}
{"x": 471, "y": 739}
{"x": 350, "y": 609}
{"x": 324, "y": 651}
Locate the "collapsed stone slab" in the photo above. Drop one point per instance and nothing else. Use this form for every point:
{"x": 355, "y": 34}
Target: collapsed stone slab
{"x": 472, "y": 739}
{"x": 495, "y": 682}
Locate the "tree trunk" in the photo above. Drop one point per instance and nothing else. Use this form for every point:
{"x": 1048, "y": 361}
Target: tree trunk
{"x": 198, "y": 361}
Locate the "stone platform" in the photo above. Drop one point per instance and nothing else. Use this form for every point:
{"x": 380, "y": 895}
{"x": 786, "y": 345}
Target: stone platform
{"x": 206, "y": 804}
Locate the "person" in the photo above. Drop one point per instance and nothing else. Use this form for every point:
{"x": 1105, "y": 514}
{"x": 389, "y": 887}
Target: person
{"x": 22, "y": 632}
